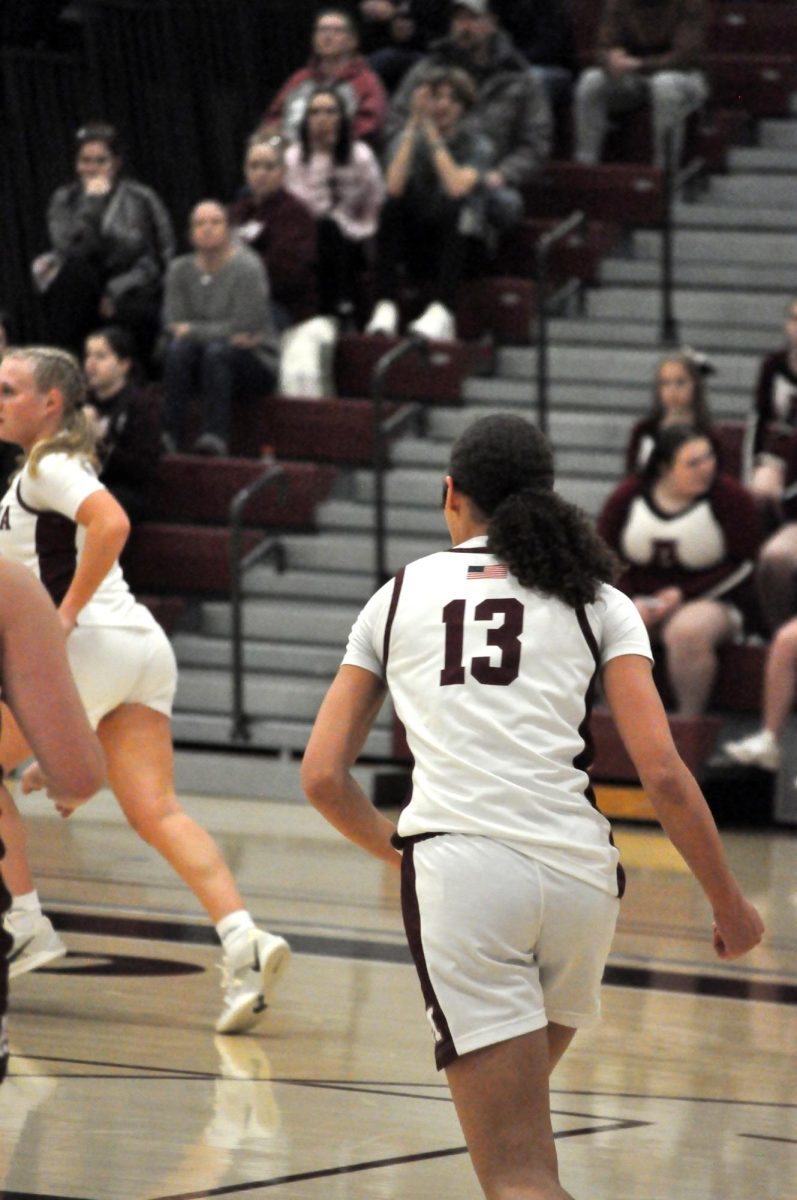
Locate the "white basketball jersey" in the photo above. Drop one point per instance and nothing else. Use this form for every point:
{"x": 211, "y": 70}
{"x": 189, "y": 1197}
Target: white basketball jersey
{"x": 494, "y": 683}
{"x": 38, "y": 528}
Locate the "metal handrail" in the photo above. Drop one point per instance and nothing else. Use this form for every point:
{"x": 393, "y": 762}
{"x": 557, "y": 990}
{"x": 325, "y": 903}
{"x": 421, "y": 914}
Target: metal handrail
{"x": 673, "y": 182}
{"x": 269, "y": 547}
{"x": 542, "y": 253}
{"x": 382, "y": 428}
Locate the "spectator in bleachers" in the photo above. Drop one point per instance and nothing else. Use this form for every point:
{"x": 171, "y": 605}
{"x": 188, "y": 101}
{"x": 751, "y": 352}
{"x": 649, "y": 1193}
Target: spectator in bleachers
{"x": 221, "y": 335}
{"x": 5, "y": 331}
{"x": 111, "y": 242}
{"x": 510, "y": 106}
{"x": 335, "y": 61}
{"x": 395, "y": 33}
{"x": 679, "y": 398}
{"x": 340, "y": 181}
{"x": 125, "y": 418}
{"x": 648, "y": 52}
{"x": 774, "y": 473}
{"x": 775, "y": 414}
{"x": 427, "y": 227}
{"x": 543, "y": 32}
{"x": 763, "y": 748}
{"x": 280, "y": 228}
{"x": 687, "y": 538}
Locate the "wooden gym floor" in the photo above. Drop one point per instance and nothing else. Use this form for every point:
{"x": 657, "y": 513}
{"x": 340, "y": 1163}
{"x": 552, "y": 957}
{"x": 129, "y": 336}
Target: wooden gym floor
{"x": 119, "y": 1090}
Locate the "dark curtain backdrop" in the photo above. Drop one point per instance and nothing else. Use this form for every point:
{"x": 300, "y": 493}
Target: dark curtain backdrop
{"x": 185, "y": 81}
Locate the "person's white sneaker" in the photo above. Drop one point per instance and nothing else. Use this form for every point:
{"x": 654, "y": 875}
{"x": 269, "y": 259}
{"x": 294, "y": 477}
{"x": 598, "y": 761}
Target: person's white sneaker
{"x": 758, "y": 750}
{"x": 436, "y": 322}
{"x": 384, "y": 319}
{"x": 34, "y": 947}
{"x": 249, "y": 978}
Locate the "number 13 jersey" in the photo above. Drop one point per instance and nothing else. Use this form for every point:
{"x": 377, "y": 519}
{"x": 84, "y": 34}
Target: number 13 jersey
{"x": 494, "y": 684}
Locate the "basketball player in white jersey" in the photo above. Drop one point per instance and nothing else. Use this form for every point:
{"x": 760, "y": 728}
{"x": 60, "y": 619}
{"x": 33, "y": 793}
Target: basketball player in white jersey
{"x": 65, "y": 526}
{"x": 510, "y": 880}
{"x": 37, "y": 684}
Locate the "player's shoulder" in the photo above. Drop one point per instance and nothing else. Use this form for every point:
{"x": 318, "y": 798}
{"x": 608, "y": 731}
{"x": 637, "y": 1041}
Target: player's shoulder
{"x": 609, "y": 600}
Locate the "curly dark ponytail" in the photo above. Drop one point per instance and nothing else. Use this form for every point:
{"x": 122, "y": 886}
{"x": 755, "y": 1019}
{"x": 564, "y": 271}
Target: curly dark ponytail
{"x": 504, "y": 465}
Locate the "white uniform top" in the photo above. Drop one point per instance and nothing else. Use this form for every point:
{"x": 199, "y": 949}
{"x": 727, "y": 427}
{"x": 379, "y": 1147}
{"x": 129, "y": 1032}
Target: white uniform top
{"x": 38, "y": 528}
{"x": 493, "y": 682}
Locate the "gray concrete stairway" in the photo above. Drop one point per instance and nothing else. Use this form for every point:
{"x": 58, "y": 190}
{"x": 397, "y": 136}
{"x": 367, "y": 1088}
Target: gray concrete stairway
{"x": 736, "y": 265}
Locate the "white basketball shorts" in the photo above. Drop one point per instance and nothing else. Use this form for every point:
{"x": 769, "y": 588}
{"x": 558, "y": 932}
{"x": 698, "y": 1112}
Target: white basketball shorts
{"x": 503, "y": 944}
{"x": 113, "y": 665}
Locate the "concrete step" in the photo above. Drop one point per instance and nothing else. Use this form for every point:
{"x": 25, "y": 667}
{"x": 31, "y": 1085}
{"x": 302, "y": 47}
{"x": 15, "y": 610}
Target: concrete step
{"x": 698, "y": 305}
{"x": 399, "y": 518}
{"x": 192, "y": 728}
{"x": 755, "y": 159}
{"x": 722, "y": 246}
{"x": 279, "y": 657}
{"x": 731, "y": 216}
{"x": 777, "y": 134}
{"x": 271, "y": 620}
{"x": 266, "y": 697}
{"x": 767, "y": 191}
{"x": 746, "y": 277}
{"x": 610, "y": 396}
{"x": 582, "y": 462}
{"x": 599, "y": 364}
{"x": 349, "y": 586}
{"x": 624, "y": 332}
{"x": 355, "y": 551}
{"x": 568, "y": 430}
{"x": 248, "y": 772}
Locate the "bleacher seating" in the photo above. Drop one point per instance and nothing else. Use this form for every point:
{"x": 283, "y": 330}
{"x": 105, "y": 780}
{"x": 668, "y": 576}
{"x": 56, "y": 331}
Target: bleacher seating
{"x": 185, "y": 548}
{"x": 330, "y": 430}
{"x": 613, "y": 192}
{"x": 438, "y": 380}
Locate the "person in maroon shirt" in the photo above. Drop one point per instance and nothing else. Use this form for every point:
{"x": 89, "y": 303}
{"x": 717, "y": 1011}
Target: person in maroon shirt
{"x": 278, "y": 227}
{"x": 687, "y": 538}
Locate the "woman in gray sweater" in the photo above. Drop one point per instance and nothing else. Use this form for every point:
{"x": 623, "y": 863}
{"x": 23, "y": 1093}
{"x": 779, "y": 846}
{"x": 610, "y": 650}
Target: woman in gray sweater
{"x": 222, "y": 339}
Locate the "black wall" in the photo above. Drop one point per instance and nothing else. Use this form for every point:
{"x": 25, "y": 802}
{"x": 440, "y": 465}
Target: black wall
{"x": 185, "y": 81}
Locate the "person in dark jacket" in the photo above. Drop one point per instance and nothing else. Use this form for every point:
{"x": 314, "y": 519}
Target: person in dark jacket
{"x": 396, "y": 33}
{"x": 126, "y": 418}
{"x": 510, "y": 107}
{"x": 542, "y": 30}
{"x": 281, "y": 229}
{"x": 111, "y": 241}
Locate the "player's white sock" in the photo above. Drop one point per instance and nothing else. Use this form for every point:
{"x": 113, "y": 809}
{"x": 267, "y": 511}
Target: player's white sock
{"x": 234, "y": 928}
{"x": 25, "y": 911}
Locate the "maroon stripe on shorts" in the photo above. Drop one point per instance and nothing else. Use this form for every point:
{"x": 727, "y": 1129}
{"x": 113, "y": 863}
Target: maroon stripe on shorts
{"x": 584, "y": 760}
{"x": 445, "y": 1051}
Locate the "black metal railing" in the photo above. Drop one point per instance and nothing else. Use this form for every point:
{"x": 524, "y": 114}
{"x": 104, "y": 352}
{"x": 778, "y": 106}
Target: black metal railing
{"x": 383, "y": 429}
{"x": 269, "y": 548}
{"x": 542, "y": 255}
{"x": 673, "y": 182}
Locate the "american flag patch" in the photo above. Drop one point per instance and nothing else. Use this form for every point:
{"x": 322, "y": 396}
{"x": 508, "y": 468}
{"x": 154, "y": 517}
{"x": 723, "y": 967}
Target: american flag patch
{"x": 487, "y": 571}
